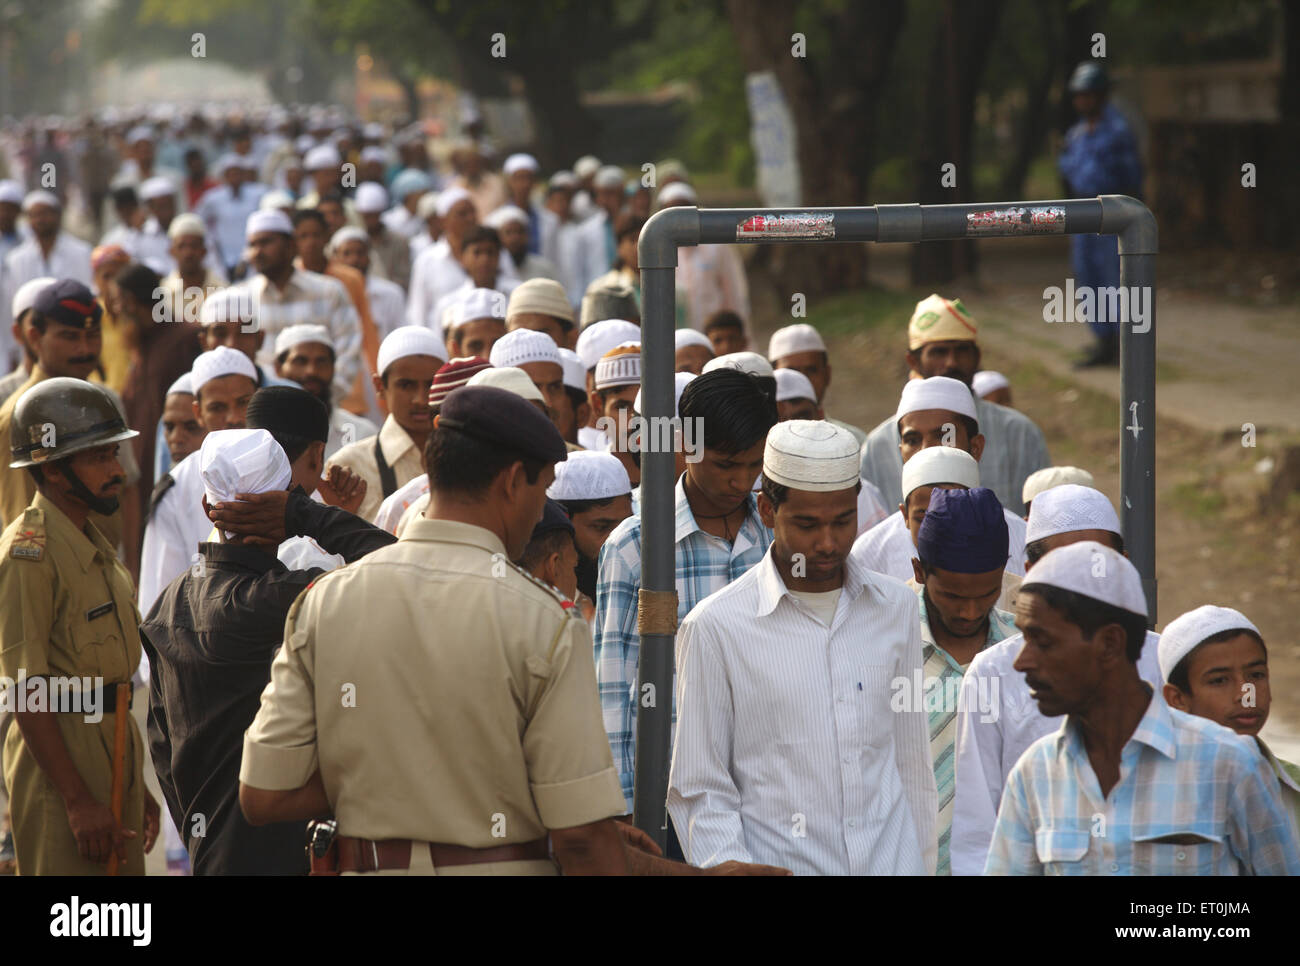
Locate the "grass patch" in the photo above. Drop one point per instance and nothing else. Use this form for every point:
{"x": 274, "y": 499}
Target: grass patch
{"x": 860, "y": 310}
{"x": 1198, "y": 501}
{"x": 1168, "y": 372}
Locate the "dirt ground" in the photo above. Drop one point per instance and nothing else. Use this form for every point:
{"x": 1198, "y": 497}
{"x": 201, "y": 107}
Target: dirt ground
{"x": 1228, "y": 332}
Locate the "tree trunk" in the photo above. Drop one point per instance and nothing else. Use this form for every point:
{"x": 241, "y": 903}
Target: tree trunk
{"x": 964, "y": 32}
{"x": 565, "y": 131}
{"x": 1034, "y": 125}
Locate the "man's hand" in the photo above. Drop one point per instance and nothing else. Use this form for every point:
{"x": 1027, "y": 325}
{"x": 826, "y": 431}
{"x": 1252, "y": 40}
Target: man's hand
{"x": 342, "y": 488}
{"x": 634, "y": 838}
{"x": 97, "y": 833}
{"x": 152, "y": 814}
{"x": 259, "y": 516}
{"x": 745, "y": 868}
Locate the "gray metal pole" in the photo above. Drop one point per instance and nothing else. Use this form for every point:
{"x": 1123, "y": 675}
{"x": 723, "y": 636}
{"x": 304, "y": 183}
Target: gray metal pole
{"x": 657, "y": 248}
{"x": 1138, "y": 243}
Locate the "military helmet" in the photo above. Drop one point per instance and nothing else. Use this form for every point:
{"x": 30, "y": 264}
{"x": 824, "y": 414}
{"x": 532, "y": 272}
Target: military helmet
{"x": 1088, "y": 77}
{"x": 59, "y": 417}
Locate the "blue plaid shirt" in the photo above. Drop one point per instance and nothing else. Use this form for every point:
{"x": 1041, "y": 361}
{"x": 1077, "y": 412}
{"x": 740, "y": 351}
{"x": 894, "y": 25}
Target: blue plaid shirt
{"x": 1193, "y": 798}
{"x": 705, "y": 564}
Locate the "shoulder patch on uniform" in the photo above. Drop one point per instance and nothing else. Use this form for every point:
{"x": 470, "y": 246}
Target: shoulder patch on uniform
{"x": 29, "y": 537}
{"x": 559, "y": 597}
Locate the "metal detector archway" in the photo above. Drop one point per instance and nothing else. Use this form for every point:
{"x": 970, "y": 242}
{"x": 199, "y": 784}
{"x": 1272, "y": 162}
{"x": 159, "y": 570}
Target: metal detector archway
{"x": 674, "y": 228}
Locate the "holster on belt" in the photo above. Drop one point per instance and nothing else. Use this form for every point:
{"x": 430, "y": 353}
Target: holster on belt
{"x": 323, "y": 846}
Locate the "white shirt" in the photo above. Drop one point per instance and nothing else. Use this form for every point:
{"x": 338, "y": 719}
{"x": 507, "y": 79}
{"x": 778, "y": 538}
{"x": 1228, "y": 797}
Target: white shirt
{"x": 227, "y": 216}
{"x": 887, "y": 547}
{"x": 710, "y": 278}
{"x": 391, "y": 510}
{"x": 567, "y": 246}
{"x": 871, "y": 507}
{"x": 997, "y": 720}
{"x": 173, "y": 533}
{"x": 589, "y": 437}
{"x": 787, "y": 751}
{"x": 436, "y": 272}
{"x": 402, "y": 221}
{"x": 387, "y": 304}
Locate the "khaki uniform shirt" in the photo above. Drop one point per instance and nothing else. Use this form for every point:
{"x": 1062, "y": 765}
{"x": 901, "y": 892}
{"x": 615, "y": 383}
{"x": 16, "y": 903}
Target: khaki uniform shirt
{"x": 67, "y": 611}
{"x": 17, "y": 488}
{"x": 400, "y": 452}
{"x": 445, "y": 695}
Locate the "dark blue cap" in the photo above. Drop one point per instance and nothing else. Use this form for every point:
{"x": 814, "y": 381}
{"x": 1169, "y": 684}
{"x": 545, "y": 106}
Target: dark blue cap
{"x": 964, "y": 531}
{"x": 68, "y": 302}
{"x": 554, "y": 517}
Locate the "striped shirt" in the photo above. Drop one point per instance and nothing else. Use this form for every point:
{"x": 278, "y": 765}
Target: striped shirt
{"x": 1193, "y": 798}
{"x": 943, "y": 681}
{"x": 705, "y": 564}
{"x": 788, "y": 751}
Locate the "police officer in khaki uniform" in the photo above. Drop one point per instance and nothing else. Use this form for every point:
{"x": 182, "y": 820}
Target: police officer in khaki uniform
{"x": 434, "y": 697}
{"x": 68, "y": 612}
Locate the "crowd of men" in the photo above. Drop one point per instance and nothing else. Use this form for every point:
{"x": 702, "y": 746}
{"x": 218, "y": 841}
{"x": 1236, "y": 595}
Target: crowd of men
{"x": 321, "y": 451}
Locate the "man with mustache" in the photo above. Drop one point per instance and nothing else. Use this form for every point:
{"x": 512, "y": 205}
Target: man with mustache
{"x": 941, "y": 341}
{"x": 594, "y": 490}
{"x": 1127, "y": 785}
{"x": 70, "y": 615}
{"x": 305, "y": 355}
{"x": 63, "y": 331}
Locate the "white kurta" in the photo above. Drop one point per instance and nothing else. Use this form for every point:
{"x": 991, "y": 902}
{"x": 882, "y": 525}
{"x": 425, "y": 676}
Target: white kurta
{"x": 887, "y": 547}
{"x": 997, "y": 720}
{"x": 787, "y": 750}
{"x": 391, "y": 510}
{"x": 173, "y": 533}
{"x": 387, "y": 304}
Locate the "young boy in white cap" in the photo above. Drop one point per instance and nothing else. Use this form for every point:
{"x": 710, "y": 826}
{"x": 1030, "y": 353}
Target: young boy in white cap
{"x": 594, "y": 341}
{"x": 692, "y": 351}
{"x": 473, "y": 324}
{"x": 1215, "y": 665}
{"x": 800, "y": 347}
{"x": 542, "y": 305}
{"x": 1051, "y": 476}
{"x": 991, "y": 739}
{"x": 1127, "y": 785}
{"x": 596, "y": 493}
{"x": 408, "y": 360}
{"x": 777, "y": 671}
{"x": 617, "y": 382}
{"x": 537, "y": 355}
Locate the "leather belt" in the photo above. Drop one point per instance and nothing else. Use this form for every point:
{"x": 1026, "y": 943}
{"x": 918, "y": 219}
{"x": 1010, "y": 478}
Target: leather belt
{"x": 364, "y": 855}
{"x": 105, "y": 698}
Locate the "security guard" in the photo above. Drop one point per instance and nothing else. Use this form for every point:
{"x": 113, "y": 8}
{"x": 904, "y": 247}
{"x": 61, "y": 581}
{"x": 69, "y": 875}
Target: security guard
{"x": 440, "y": 701}
{"x": 68, "y": 612}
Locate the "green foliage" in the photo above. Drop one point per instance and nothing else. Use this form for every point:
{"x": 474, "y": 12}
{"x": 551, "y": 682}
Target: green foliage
{"x": 860, "y": 309}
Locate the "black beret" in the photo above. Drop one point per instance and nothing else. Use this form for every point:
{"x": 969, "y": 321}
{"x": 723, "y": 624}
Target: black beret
{"x": 553, "y": 518}
{"x": 68, "y": 302}
{"x": 500, "y": 418}
{"x": 289, "y": 411}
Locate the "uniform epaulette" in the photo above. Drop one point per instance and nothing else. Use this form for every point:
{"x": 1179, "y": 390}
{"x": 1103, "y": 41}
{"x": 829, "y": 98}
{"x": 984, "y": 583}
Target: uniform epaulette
{"x": 29, "y": 538}
{"x": 560, "y": 599}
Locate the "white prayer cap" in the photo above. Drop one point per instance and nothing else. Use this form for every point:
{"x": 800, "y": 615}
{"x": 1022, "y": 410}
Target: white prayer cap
{"x": 186, "y": 224}
{"x": 221, "y": 361}
{"x": 588, "y": 475}
{"x": 231, "y": 304}
{"x": 794, "y": 338}
{"x": 1093, "y": 570}
{"x": 937, "y": 392}
{"x": 586, "y": 166}
{"x": 1067, "y": 508}
{"x": 793, "y": 384}
{"x": 184, "y": 386}
{"x": 479, "y": 303}
{"x": 680, "y": 381}
{"x": 270, "y": 219}
{"x": 11, "y": 192}
{"x": 373, "y": 131}
{"x": 1044, "y": 479}
{"x": 235, "y": 461}
{"x": 408, "y": 340}
{"x": 157, "y": 187}
{"x": 426, "y": 207}
{"x": 564, "y": 179}
{"x": 275, "y": 201}
{"x": 450, "y": 197}
{"x": 304, "y": 143}
{"x": 510, "y": 379}
{"x": 940, "y": 464}
{"x": 608, "y": 177}
{"x": 543, "y": 296}
{"x": 520, "y": 162}
{"x": 26, "y": 295}
{"x": 504, "y": 215}
{"x": 750, "y": 362}
{"x": 987, "y": 381}
{"x": 522, "y": 346}
{"x": 811, "y": 454}
{"x": 599, "y": 337}
{"x": 620, "y": 366}
{"x": 344, "y": 235}
{"x": 575, "y": 375}
{"x": 39, "y": 197}
{"x": 370, "y": 198}
{"x": 322, "y": 156}
{"x": 293, "y": 335}
{"x": 374, "y": 153}
{"x": 141, "y": 132}
{"x": 684, "y": 337}
{"x": 1184, "y": 634}
{"x": 675, "y": 192}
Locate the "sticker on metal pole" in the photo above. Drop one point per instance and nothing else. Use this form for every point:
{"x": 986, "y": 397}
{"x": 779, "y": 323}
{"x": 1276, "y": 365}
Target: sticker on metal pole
{"x": 1048, "y": 220}
{"x": 801, "y": 226}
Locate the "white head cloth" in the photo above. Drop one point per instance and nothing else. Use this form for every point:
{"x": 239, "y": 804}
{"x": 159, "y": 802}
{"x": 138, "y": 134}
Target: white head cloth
{"x": 241, "y": 461}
